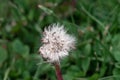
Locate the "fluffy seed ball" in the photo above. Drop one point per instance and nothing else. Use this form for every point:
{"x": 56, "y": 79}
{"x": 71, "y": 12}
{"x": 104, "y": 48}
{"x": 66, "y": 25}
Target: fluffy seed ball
{"x": 56, "y": 43}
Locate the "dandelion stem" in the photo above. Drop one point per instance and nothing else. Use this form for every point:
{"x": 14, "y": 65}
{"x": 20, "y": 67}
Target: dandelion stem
{"x": 58, "y": 71}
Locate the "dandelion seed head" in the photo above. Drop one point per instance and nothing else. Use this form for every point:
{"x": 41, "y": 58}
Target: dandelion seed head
{"x": 56, "y": 43}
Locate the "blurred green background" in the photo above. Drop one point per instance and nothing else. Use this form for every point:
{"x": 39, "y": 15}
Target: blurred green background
{"x": 95, "y": 24}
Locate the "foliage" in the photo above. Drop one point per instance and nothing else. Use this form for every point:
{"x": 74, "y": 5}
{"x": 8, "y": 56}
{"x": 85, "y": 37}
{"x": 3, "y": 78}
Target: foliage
{"x": 95, "y": 24}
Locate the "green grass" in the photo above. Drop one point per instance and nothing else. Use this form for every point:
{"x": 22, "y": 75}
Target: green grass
{"x": 95, "y": 24}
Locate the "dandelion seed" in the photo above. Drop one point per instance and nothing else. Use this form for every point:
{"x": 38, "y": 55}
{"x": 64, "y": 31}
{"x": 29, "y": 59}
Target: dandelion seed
{"x": 56, "y": 43}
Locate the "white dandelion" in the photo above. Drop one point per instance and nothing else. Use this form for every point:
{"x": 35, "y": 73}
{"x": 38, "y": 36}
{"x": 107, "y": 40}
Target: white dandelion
{"x": 56, "y": 43}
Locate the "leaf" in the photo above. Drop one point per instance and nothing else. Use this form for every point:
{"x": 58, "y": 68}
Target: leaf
{"x": 94, "y": 77}
{"x": 85, "y": 64}
{"x": 3, "y": 55}
{"x": 116, "y": 70}
{"x": 87, "y": 49}
{"x": 117, "y": 55}
{"x": 72, "y": 72}
{"x": 68, "y": 76}
{"x": 45, "y": 9}
{"x": 116, "y": 47}
{"x": 116, "y": 73}
{"x": 26, "y": 75}
{"x": 19, "y": 48}
{"x": 71, "y": 28}
{"x": 25, "y": 52}
{"x": 31, "y": 15}
{"x": 103, "y": 70}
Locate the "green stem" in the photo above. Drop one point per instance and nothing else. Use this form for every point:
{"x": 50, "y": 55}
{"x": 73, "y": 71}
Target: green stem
{"x": 7, "y": 73}
{"x": 37, "y": 73}
{"x": 8, "y": 70}
{"x": 93, "y": 17}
